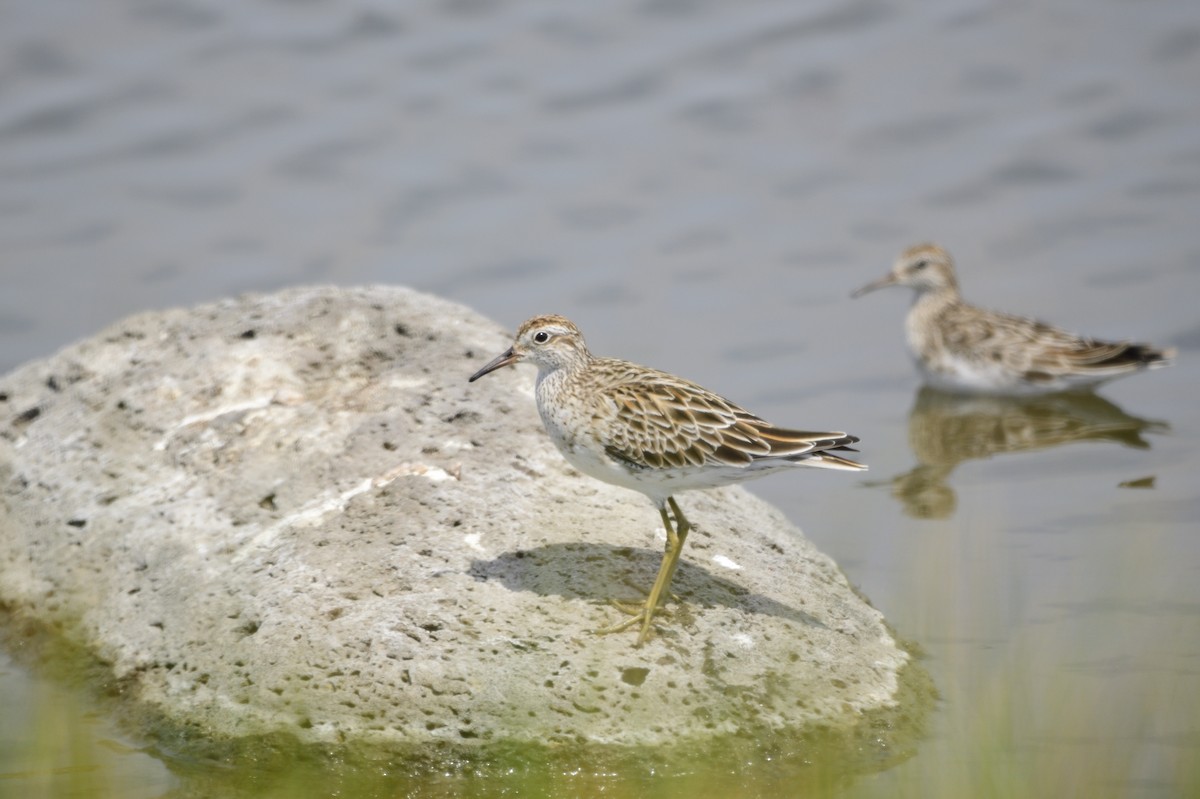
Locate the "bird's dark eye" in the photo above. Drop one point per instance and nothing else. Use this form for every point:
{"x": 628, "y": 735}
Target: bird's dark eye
{"x": 921, "y": 264}
{"x": 541, "y": 337}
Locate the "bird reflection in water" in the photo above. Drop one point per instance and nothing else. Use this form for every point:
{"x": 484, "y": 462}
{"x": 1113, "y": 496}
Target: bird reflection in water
{"x": 946, "y": 429}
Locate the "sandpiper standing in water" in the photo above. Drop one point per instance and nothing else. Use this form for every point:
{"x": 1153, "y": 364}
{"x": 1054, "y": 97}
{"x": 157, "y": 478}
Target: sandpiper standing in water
{"x": 653, "y": 432}
{"x": 961, "y": 347}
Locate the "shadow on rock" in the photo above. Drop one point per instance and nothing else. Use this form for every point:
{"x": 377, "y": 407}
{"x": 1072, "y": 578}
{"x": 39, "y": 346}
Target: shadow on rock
{"x": 601, "y": 572}
{"x": 946, "y": 429}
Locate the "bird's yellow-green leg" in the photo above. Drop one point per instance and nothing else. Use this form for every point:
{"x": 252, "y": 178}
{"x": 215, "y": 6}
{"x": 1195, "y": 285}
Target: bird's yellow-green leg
{"x": 635, "y": 607}
{"x": 637, "y": 611}
{"x": 682, "y": 528}
{"x": 676, "y": 535}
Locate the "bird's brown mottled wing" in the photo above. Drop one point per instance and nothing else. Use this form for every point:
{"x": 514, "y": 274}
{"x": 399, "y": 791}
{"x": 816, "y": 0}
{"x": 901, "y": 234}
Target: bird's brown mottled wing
{"x": 651, "y": 419}
{"x": 1036, "y": 348}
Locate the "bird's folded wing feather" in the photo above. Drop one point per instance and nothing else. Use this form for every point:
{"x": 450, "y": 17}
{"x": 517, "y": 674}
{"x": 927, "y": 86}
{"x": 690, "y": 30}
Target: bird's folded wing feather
{"x": 1027, "y": 344}
{"x": 654, "y": 420}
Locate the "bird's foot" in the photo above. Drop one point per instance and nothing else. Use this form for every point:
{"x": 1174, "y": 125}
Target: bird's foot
{"x": 639, "y": 613}
{"x": 636, "y": 607}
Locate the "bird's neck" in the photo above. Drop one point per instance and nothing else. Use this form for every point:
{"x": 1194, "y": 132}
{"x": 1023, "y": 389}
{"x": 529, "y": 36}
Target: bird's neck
{"x": 921, "y": 324}
{"x": 934, "y": 299}
{"x": 558, "y": 374}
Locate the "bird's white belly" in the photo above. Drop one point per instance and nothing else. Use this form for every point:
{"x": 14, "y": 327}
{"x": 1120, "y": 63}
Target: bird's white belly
{"x": 961, "y": 375}
{"x": 588, "y": 455}
{"x": 956, "y": 374}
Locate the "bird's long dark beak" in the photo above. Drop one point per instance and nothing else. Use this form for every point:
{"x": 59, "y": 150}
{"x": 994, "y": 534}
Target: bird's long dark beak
{"x": 505, "y": 358}
{"x": 886, "y": 280}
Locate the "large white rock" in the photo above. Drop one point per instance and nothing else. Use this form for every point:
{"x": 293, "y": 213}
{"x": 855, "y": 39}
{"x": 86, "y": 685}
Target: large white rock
{"x": 291, "y": 513}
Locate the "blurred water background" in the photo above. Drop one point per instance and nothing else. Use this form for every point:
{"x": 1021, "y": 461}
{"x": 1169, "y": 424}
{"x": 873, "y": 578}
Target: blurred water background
{"x": 699, "y": 185}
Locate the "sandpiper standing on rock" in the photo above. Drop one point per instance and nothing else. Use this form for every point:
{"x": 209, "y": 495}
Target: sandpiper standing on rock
{"x": 964, "y": 348}
{"x": 653, "y": 432}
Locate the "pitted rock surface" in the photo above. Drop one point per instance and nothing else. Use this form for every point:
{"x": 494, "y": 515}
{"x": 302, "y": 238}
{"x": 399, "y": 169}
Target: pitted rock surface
{"x": 291, "y": 512}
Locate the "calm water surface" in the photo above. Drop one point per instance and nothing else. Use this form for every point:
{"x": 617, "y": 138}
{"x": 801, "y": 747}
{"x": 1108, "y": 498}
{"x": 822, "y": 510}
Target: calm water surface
{"x": 699, "y": 185}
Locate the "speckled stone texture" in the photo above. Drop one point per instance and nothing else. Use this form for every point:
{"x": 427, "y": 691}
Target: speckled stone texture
{"x": 291, "y": 513}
